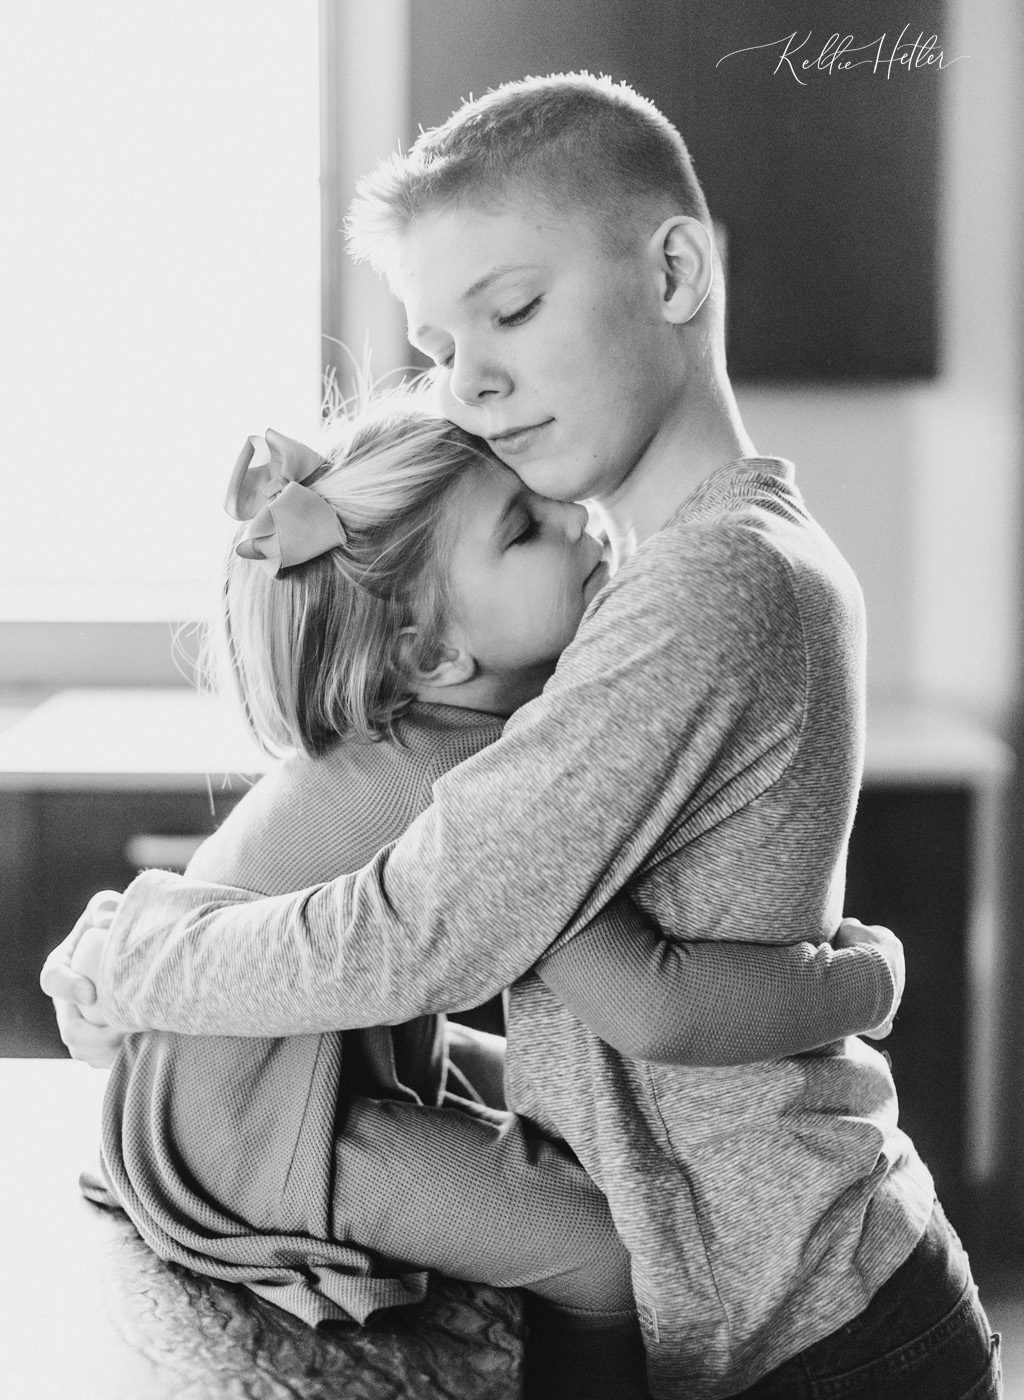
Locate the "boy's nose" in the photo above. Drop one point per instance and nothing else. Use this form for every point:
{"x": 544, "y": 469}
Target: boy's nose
{"x": 474, "y": 380}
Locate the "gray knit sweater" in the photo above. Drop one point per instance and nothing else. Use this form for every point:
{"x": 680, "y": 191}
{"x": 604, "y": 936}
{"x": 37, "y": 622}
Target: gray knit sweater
{"x": 700, "y": 744}
{"x": 221, "y": 1148}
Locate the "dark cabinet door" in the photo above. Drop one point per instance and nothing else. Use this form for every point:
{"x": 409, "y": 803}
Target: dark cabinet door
{"x": 824, "y": 180}
{"x": 909, "y": 868}
{"x": 56, "y": 850}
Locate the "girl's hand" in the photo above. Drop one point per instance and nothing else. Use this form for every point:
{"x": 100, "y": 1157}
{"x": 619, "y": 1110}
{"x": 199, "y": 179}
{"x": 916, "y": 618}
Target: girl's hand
{"x": 851, "y": 932}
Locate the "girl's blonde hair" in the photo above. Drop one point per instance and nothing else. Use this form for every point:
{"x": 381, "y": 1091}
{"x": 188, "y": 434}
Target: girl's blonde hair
{"x": 322, "y": 650}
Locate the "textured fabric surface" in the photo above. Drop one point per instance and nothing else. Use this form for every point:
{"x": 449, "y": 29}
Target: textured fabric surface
{"x": 716, "y": 1003}
{"x": 89, "y": 1311}
{"x": 474, "y": 1194}
{"x": 222, "y": 1150}
{"x": 171, "y": 1335}
{"x": 700, "y": 744}
{"x": 923, "y": 1336}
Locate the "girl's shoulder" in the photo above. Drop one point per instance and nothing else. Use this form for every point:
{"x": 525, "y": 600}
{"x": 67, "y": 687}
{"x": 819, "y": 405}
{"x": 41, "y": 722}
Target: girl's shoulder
{"x": 309, "y": 819}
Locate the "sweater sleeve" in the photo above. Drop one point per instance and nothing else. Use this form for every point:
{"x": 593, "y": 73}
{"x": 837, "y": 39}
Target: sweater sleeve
{"x": 678, "y": 704}
{"x": 714, "y": 1003}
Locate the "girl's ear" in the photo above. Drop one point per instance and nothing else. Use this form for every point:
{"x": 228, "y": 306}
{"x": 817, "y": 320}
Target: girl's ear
{"x": 685, "y": 258}
{"x": 454, "y": 665}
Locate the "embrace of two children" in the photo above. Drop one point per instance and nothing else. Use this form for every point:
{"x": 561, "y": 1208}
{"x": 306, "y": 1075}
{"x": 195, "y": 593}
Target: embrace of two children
{"x": 649, "y": 853}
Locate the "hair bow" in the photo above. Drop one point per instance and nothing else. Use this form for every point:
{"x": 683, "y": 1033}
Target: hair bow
{"x": 288, "y": 523}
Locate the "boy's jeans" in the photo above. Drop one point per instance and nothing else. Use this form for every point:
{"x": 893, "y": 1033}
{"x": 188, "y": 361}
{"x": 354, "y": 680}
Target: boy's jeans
{"x": 924, "y": 1336}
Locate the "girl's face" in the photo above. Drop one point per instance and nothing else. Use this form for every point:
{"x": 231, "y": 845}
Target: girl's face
{"x": 523, "y": 572}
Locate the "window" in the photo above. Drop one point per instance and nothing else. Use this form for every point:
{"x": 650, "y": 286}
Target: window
{"x": 160, "y": 255}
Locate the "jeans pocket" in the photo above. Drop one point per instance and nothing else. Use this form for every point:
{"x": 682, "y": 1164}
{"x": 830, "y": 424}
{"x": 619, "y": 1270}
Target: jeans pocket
{"x": 940, "y": 1364}
{"x": 990, "y": 1387}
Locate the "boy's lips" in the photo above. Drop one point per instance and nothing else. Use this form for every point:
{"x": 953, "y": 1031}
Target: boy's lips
{"x": 514, "y": 440}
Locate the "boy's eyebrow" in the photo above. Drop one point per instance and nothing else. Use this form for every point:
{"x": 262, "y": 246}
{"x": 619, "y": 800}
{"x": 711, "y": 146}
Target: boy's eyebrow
{"x": 482, "y": 283}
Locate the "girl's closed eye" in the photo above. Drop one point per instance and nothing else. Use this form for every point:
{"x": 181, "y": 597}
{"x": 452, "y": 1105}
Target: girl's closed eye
{"x": 516, "y": 318}
{"x": 526, "y": 531}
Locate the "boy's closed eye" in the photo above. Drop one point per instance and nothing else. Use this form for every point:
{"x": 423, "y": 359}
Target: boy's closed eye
{"x": 512, "y": 319}
{"x": 516, "y": 318}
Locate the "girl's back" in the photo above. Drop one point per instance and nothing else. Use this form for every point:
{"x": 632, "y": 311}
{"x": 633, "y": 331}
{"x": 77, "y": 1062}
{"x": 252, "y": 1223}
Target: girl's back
{"x": 220, "y": 1148}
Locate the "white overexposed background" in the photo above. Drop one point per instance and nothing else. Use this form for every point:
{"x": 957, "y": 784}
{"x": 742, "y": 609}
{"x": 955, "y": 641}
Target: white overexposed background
{"x": 159, "y": 287}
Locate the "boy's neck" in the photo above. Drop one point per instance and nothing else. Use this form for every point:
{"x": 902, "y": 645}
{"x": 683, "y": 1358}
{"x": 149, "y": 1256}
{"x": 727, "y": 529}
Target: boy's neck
{"x": 704, "y": 433}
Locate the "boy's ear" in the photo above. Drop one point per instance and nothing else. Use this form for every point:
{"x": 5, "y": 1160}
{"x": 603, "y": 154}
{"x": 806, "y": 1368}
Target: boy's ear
{"x": 454, "y": 665}
{"x": 685, "y": 257}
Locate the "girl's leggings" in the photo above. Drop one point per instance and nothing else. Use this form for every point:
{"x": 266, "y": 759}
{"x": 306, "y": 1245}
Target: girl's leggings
{"x": 471, "y": 1192}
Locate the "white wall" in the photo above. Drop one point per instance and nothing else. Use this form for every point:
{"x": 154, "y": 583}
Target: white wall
{"x": 159, "y": 257}
{"x": 371, "y": 44}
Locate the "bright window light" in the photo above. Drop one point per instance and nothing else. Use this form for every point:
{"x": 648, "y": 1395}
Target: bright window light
{"x": 159, "y": 284}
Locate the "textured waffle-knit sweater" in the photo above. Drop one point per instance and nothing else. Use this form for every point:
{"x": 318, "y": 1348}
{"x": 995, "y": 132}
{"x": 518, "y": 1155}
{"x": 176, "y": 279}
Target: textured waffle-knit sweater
{"x": 699, "y": 744}
{"x": 220, "y": 1147}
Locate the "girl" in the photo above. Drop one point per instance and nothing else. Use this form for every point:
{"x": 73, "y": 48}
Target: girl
{"x": 386, "y": 609}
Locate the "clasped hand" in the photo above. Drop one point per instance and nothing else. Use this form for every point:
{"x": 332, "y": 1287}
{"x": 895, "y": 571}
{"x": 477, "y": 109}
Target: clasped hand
{"x": 69, "y": 978}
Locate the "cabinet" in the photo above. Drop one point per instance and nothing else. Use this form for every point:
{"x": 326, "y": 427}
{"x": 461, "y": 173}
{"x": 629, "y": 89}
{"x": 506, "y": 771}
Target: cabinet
{"x": 924, "y": 859}
{"x": 92, "y": 785}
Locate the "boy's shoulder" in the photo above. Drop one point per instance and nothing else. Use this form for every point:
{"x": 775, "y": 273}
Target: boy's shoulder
{"x": 743, "y": 541}
{"x": 694, "y": 573}
{"x": 739, "y": 583}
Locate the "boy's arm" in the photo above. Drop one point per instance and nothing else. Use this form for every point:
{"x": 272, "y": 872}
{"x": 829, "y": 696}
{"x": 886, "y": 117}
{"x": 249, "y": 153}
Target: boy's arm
{"x": 678, "y": 704}
{"x": 719, "y": 1003}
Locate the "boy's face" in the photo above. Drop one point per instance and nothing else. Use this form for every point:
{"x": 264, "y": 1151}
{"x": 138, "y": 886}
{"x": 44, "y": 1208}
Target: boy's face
{"x": 551, "y": 346}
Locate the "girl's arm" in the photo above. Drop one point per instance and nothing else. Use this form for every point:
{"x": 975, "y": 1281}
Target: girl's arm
{"x": 721, "y": 1003}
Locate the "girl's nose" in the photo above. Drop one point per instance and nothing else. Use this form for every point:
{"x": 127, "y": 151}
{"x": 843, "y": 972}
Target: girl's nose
{"x": 475, "y": 379}
{"x": 575, "y": 519}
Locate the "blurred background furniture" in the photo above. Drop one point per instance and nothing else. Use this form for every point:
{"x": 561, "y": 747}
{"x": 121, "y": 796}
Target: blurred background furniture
{"x": 94, "y": 785}
{"x": 924, "y": 859}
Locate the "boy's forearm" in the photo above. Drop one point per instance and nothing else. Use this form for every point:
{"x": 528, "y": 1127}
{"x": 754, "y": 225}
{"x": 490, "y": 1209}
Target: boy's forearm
{"x": 525, "y": 842}
{"x": 205, "y": 959}
{"x": 714, "y": 1003}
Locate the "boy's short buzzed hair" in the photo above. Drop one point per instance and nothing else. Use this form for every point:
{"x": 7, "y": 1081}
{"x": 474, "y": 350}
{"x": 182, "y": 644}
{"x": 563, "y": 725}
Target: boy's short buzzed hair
{"x": 570, "y": 139}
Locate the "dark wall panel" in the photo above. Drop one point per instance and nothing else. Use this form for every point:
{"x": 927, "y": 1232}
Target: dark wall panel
{"x": 827, "y": 192}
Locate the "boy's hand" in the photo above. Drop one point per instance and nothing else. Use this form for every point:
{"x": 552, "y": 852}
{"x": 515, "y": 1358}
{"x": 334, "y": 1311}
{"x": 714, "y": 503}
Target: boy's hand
{"x": 59, "y": 978}
{"x": 852, "y": 932}
{"x": 68, "y": 976}
{"x": 93, "y": 1043}
{"x": 85, "y": 963}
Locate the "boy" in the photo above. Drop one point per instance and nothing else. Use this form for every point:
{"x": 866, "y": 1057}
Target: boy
{"x": 699, "y": 744}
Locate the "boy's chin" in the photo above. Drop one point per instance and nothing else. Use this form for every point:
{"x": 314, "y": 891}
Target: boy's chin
{"x": 558, "y": 479}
